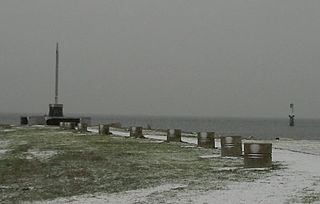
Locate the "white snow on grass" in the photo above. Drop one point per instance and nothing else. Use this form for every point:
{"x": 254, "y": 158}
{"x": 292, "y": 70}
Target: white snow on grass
{"x": 8, "y": 130}
{"x": 4, "y": 147}
{"x": 134, "y": 196}
{"x": 298, "y": 181}
{"x": 41, "y": 155}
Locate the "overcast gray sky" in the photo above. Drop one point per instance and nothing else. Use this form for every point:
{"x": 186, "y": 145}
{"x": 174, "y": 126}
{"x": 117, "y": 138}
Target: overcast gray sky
{"x": 243, "y": 58}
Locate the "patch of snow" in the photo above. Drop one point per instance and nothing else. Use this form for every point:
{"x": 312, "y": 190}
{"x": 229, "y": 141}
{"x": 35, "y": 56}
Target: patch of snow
{"x": 8, "y": 130}
{"x": 156, "y": 137}
{"x": 120, "y": 133}
{"x": 3, "y": 147}
{"x": 188, "y": 146}
{"x": 191, "y": 140}
{"x": 301, "y": 160}
{"x": 209, "y": 156}
{"x": 93, "y": 129}
{"x": 41, "y": 155}
{"x": 284, "y": 186}
{"x": 134, "y": 196}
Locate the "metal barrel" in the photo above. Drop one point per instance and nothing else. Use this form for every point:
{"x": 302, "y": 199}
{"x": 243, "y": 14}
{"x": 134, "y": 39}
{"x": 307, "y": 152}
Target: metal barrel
{"x": 206, "y": 139}
{"x": 257, "y": 155}
{"x": 174, "y": 135}
{"x": 104, "y": 129}
{"x": 136, "y": 132}
{"x": 62, "y": 124}
{"x": 231, "y": 146}
{"x": 82, "y": 127}
{"x": 70, "y": 125}
{"x": 24, "y": 120}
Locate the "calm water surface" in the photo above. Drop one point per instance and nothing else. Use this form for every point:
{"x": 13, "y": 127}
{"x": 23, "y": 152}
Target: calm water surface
{"x": 258, "y": 127}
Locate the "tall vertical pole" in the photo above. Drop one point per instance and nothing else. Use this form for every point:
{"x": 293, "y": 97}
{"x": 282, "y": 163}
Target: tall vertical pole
{"x": 57, "y": 75}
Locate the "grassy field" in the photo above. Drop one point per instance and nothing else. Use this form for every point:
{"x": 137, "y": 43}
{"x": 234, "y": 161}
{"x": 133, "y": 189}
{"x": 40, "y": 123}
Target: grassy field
{"x": 47, "y": 163}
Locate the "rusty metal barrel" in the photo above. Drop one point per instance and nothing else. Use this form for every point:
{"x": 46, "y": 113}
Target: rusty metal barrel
{"x": 174, "y": 135}
{"x": 136, "y": 132}
{"x": 104, "y": 129}
{"x": 206, "y": 139}
{"x": 231, "y": 146}
{"x": 83, "y": 127}
{"x": 257, "y": 155}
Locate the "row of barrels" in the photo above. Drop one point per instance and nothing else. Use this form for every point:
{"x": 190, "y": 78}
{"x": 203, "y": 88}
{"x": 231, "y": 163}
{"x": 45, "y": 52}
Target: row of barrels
{"x": 82, "y": 127}
{"x": 256, "y": 154}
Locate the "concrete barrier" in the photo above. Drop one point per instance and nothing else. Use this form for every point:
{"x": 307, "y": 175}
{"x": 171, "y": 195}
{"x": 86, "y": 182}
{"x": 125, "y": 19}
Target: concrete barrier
{"x": 174, "y": 135}
{"x": 231, "y": 146}
{"x": 136, "y": 132}
{"x": 257, "y": 155}
{"x": 206, "y": 139}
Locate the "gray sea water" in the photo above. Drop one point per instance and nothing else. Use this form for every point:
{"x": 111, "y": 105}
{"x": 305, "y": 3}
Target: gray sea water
{"x": 259, "y": 128}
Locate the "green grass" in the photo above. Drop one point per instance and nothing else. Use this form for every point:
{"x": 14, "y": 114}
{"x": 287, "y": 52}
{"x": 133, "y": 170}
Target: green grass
{"x": 89, "y": 163}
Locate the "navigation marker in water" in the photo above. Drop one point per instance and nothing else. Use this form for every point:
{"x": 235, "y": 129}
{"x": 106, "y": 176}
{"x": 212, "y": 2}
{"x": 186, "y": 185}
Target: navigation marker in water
{"x": 291, "y": 116}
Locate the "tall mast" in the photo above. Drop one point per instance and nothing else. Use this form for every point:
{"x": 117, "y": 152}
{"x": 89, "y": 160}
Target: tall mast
{"x": 57, "y": 75}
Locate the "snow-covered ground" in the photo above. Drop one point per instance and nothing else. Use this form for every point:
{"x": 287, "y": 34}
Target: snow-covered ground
{"x": 297, "y": 182}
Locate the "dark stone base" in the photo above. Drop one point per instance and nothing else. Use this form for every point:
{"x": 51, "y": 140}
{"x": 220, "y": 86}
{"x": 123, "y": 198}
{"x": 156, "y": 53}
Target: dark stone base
{"x": 55, "y": 110}
{"x": 56, "y": 120}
